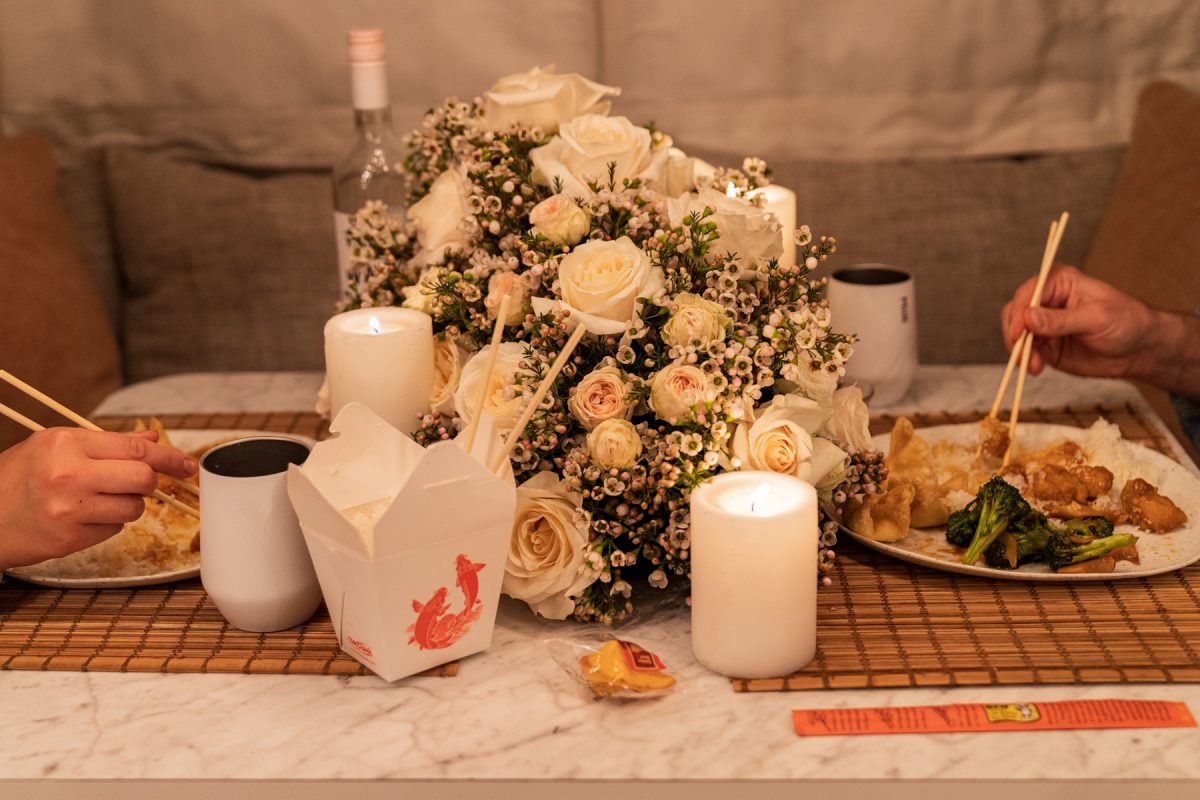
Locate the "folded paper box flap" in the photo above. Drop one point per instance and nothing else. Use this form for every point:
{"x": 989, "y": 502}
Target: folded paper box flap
{"x": 374, "y": 491}
{"x": 448, "y": 494}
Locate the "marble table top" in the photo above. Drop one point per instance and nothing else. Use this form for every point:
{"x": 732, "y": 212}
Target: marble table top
{"x": 513, "y": 714}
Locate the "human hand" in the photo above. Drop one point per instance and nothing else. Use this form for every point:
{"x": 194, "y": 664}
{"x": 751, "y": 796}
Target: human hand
{"x": 1084, "y": 325}
{"x": 65, "y": 489}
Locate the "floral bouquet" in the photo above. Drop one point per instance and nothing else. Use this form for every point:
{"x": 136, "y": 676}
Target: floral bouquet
{"x": 687, "y": 344}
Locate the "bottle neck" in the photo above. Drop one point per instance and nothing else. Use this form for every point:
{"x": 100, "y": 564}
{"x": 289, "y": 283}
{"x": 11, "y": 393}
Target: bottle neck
{"x": 373, "y": 124}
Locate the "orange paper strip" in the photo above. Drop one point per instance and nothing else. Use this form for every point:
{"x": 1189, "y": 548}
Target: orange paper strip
{"x": 974, "y": 717}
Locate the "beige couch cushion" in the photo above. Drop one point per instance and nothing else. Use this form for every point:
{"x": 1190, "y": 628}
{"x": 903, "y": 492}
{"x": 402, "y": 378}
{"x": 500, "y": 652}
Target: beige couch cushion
{"x": 53, "y": 330}
{"x": 225, "y": 270}
{"x": 970, "y": 230}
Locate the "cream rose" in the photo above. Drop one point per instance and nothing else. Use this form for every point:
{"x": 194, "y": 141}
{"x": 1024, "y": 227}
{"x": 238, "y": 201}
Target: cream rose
{"x": 560, "y": 219}
{"x": 850, "y": 423}
{"x": 448, "y": 360}
{"x": 540, "y": 98}
{"x": 782, "y": 440}
{"x": 601, "y": 395}
{"x": 742, "y": 228}
{"x": 676, "y": 388}
{"x": 683, "y": 173}
{"x": 615, "y": 444}
{"x": 601, "y": 281}
{"x": 815, "y": 384}
{"x": 547, "y": 564}
{"x": 438, "y": 216}
{"x": 695, "y": 319}
{"x": 421, "y": 296}
{"x": 501, "y": 401}
{"x": 585, "y": 146}
{"x": 516, "y": 287}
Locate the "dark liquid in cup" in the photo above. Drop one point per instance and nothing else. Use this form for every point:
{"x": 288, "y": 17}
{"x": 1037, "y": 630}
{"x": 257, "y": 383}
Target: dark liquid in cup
{"x": 254, "y": 458}
{"x": 870, "y": 276}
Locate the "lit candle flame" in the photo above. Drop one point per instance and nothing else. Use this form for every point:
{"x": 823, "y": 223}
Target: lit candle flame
{"x": 760, "y": 494}
{"x": 731, "y": 190}
{"x": 373, "y": 324}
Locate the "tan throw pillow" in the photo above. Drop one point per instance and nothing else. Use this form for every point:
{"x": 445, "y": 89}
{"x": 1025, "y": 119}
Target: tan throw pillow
{"x": 224, "y": 269}
{"x": 1148, "y": 243}
{"x": 53, "y": 330}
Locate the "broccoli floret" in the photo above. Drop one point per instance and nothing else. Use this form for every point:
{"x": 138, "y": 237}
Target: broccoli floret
{"x": 1064, "y": 549}
{"x": 1090, "y": 527}
{"x": 960, "y": 528}
{"x": 1025, "y": 541}
{"x": 1001, "y": 507}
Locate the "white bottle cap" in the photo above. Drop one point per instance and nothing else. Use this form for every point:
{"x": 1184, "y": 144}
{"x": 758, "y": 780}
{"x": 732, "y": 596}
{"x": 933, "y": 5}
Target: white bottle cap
{"x": 368, "y": 70}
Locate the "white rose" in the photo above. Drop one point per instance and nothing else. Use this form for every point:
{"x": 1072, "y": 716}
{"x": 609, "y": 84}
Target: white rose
{"x": 601, "y": 281}
{"x": 421, "y": 296}
{"x": 615, "y": 444}
{"x": 585, "y": 146}
{"x": 601, "y": 395}
{"x": 448, "y": 360}
{"x": 438, "y": 216}
{"x": 542, "y": 99}
{"x": 516, "y": 287}
{"x": 815, "y": 384}
{"x": 742, "y": 227}
{"x": 501, "y": 401}
{"x": 850, "y": 423}
{"x": 683, "y": 173}
{"x": 781, "y": 440}
{"x": 695, "y": 319}
{"x": 547, "y": 566}
{"x": 676, "y": 388}
{"x": 560, "y": 220}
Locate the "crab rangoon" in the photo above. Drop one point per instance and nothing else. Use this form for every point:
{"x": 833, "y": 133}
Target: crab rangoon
{"x": 409, "y": 543}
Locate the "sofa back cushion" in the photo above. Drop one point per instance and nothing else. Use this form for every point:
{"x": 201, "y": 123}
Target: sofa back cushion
{"x": 223, "y": 269}
{"x": 54, "y": 333}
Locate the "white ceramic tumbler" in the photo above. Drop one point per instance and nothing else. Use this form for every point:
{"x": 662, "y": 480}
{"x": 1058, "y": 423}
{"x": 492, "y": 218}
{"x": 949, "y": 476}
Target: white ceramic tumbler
{"x": 877, "y": 302}
{"x": 253, "y": 560}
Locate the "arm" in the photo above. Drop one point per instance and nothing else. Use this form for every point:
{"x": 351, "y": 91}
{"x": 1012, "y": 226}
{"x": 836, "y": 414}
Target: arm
{"x": 64, "y": 489}
{"x": 1087, "y": 327}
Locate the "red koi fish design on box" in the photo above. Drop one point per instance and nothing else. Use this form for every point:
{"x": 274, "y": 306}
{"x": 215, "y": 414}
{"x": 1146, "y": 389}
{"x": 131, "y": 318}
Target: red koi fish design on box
{"x": 400, "y": 535}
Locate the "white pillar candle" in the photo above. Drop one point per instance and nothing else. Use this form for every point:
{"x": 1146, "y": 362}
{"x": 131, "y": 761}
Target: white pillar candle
{"x": 382, "y": 358}
{"x": 754, "y": 574}
{"x": 782, "y": 203}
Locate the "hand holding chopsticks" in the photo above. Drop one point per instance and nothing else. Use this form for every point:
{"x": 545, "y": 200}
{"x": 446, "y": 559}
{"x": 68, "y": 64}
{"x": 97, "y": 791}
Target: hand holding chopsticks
{"x": 84, "y": 423}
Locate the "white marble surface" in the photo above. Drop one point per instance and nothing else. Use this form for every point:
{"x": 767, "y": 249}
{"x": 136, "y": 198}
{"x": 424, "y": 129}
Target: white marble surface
{"x": 513, "y": 713}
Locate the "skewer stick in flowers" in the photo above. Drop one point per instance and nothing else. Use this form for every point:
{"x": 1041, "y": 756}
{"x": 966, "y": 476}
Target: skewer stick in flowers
{"x": 1027, "y": 343}
{"x": 538, "y": 396}
{"x": 78, "y": 419}
{"x": 21, "y": 419}
{"x": 497, "y": 335}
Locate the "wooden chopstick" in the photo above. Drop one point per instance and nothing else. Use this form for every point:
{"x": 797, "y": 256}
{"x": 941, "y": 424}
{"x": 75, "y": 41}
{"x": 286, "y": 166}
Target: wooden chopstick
{"x": 1026, "y": 343}
{"x": 497, "y": 335}
{"x": 1019, "y": 344}
{"x": 21, "y": 419}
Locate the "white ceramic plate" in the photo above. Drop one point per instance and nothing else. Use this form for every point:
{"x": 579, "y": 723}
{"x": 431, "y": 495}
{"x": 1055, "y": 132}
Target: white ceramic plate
{"x": 186, "y": 440}
{"x": 1159, "y": 552}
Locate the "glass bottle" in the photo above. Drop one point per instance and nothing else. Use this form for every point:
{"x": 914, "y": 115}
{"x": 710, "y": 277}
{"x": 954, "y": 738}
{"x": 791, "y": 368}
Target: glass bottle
{"x": 370, "y": 169}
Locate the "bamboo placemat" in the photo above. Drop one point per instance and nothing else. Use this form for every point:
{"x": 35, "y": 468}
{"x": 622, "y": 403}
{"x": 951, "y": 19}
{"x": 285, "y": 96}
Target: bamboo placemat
{"x": 170, "y": 628}
{"x": 888, "y": 623}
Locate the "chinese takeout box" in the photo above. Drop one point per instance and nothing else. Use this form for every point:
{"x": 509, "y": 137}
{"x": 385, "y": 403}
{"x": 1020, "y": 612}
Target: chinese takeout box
{"x": 409, "y": 543}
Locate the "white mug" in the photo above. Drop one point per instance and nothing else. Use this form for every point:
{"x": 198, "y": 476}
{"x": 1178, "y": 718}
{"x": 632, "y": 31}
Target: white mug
{"x": 877, "y": 302}
{"x": 253, "y": 560}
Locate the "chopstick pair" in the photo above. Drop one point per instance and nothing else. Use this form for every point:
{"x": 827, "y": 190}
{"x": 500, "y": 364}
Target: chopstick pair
{"x": 1023, "y": 347}
{"x": 79, "y": 420}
